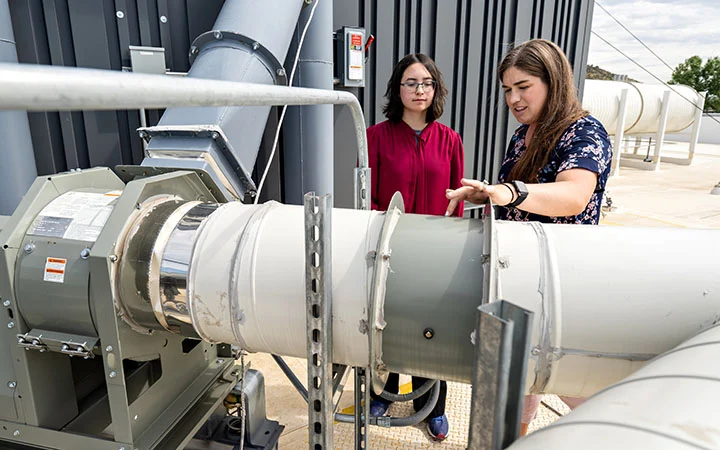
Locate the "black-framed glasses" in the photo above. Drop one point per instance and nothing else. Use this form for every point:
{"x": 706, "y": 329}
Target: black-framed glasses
{"x": 412, "y": 84}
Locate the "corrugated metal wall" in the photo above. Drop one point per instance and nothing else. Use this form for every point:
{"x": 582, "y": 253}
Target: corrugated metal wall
{"x": 96, "y": 34}
{"x": 467, "y": 38}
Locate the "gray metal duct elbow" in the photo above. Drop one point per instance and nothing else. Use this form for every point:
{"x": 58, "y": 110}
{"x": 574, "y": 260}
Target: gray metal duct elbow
{"x": 224, "y": 141}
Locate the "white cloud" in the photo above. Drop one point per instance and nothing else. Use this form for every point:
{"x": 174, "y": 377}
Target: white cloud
{"x": 674, "y": 29}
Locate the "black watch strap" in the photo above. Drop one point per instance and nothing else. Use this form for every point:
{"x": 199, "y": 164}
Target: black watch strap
{"x": 522, "y": 193}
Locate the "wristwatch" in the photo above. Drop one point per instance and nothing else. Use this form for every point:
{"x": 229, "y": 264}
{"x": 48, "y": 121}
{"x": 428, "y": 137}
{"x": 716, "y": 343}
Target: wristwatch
{"x": 522, "y": 193}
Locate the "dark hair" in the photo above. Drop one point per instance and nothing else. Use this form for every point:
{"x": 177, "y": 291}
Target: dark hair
{"x": 545, "y": 60}
{"x": 394, "y": 108}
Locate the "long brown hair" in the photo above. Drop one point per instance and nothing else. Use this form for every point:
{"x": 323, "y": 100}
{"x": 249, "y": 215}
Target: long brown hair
{"x": 394, "y": 107}
{"x": 545, "y": 60}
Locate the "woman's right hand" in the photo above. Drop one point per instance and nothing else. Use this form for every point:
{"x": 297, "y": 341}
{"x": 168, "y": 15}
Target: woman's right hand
{"x": 478, "y": 192}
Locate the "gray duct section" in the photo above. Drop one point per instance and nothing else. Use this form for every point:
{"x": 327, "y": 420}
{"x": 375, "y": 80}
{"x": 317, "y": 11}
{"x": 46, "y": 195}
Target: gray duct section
{"x": 244, "y": 46}
{"x": 439, "y": 301}
{"x": 308, "y": 146}
{"x": 18, "y": 168}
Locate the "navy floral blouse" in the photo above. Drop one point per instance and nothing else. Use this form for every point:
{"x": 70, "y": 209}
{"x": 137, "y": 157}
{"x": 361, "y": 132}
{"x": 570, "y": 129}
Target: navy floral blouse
{"x": 585, "y": 144}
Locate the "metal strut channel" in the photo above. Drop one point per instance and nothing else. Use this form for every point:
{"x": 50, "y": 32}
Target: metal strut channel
{"x": 318, "y": 286}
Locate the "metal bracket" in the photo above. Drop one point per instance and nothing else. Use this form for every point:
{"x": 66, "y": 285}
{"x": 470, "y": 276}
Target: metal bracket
{"x": 502, "y": 343}
{"x": 361, "y": 179}
{"x": 362, "y": 408}
{"x": 69, "y": 344}
{"x": 318, "y": 286}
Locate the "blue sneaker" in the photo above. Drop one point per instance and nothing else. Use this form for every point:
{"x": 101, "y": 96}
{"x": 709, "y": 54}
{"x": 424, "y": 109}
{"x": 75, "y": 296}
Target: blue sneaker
{"x": 378, "y": 408}
{"x": 438, "y": 427}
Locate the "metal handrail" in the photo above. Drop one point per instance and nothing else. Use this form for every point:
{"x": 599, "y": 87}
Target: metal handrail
{"x": 33, "y": 87}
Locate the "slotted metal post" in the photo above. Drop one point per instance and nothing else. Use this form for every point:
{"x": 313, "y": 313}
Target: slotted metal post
{"x": 502, "y": 344}
{"x": 362, "y": 408}
{"x": 318, "y": 283}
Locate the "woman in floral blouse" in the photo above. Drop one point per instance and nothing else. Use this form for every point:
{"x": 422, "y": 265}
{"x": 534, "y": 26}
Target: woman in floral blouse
{"x": 558, "y": 161}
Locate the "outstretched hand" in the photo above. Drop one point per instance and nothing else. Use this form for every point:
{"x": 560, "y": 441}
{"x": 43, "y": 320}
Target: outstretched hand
{"x": 477, "y": 192}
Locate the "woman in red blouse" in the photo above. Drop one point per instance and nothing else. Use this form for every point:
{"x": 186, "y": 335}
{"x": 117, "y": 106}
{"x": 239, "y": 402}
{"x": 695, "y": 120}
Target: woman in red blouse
{"x": 415, "y": 155}
{"x": 411, "y": 152}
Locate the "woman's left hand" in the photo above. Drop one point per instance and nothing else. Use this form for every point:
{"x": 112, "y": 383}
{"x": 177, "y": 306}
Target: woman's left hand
{"x": 478, "y": 192}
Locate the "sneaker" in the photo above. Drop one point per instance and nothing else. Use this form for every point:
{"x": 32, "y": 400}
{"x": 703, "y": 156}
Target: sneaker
{"x": 378, "y": 408}
{"x": 438, "y": 427}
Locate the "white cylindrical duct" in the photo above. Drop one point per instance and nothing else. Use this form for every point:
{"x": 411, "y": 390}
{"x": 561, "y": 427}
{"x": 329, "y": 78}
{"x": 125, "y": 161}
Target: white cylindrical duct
{"x": 643, "y": 411}
{"x": 644, "y": 105}
{"x": 247, "y": 279}
{"x": 606, "y": 299}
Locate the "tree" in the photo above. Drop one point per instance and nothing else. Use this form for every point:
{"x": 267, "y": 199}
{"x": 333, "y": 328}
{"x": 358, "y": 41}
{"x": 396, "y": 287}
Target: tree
{"x": 701, "y": 77}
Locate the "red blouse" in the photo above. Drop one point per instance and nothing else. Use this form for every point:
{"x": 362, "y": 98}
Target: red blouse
{"x": 419, "y": 167}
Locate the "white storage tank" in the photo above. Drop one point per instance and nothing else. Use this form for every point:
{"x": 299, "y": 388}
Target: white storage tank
{"x": 644, "y": 105}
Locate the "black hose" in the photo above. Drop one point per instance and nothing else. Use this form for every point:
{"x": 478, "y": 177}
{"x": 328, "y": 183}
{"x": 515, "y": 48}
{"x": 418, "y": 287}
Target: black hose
{"x": 386, "y": 421}
{"x": 415, "y": 393}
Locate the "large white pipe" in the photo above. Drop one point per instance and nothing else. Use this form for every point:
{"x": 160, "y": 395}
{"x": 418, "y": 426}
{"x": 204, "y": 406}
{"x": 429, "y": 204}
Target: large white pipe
{"x": 670, "y": 404}
{"x": 643, "y": 106}
{"x": 247, "y": 279}
{"x": 605, "y": 299}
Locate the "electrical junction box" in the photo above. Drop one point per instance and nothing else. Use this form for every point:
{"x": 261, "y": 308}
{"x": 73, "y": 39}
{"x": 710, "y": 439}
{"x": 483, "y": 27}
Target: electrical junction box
{"x": 350, "y": 56}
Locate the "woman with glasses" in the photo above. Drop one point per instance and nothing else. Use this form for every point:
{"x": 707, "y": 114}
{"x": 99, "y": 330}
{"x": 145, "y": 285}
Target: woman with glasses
{"x": 415, "y": 155}
{"x": 558, "y": 161}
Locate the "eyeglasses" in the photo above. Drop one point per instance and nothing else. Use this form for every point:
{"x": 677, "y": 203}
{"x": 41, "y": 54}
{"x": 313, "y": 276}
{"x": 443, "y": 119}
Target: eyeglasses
{"x": 427, "y": 85}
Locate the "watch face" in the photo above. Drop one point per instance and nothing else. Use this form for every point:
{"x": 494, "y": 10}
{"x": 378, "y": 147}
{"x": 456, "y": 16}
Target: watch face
{"x": 521, "y": 188}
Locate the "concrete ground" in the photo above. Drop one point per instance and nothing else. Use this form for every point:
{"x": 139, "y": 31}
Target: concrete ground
{"x": 673, "y": 196}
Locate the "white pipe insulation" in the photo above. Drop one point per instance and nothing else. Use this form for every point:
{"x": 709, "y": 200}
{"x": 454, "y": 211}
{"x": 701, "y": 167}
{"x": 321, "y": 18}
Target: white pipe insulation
{"x": 643, "y": 106}
{"x": 605, "y": 299}
{"x": 670, "y": 404}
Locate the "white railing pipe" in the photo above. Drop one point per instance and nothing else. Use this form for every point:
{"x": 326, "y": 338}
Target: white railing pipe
{"x": 48, "y": 88}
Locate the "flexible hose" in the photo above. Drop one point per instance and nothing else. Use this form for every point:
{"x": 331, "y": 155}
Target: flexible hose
{"x": 416, "y": 393}
{"x": 385, "y": 421}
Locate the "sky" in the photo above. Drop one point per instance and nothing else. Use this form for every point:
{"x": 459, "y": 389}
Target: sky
{"x": 674, "y": 29}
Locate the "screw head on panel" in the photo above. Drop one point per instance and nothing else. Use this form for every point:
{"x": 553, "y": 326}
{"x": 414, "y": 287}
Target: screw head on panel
{"x": 120, "y": 14}
{"x": 11, "y": 384}
{"x": 6, "y": 303}
{"x": 11, "y": 324}
{"x": 112, "y": 374}
{"x": 163, "y": 19}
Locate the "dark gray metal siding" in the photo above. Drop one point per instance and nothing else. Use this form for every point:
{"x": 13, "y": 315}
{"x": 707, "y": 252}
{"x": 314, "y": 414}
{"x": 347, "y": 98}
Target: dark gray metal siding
{"x": 467, "y": 39}
{"x": 91, "y": 33}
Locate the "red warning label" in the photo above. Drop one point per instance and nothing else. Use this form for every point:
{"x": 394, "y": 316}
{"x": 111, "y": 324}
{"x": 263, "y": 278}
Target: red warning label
{"x": 356, "y": 40}
{"x": 55, "y": 270}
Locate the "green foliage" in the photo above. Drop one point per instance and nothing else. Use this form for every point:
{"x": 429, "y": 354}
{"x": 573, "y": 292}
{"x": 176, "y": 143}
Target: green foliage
{"x": 701, "y": 77}
{"x": 596, "y": 73}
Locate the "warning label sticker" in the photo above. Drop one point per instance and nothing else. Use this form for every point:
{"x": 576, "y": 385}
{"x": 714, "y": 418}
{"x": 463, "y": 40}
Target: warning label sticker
{"x": 75, "y": 215}
{"x": 55, "y": 270}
